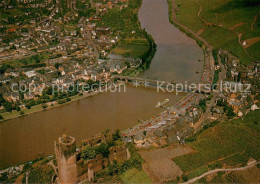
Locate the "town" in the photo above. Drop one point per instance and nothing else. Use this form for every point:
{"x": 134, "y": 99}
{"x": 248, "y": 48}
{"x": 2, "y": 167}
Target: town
{"x": 58, "y": 51}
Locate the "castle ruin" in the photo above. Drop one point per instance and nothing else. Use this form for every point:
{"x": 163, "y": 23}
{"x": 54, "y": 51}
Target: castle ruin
{"x": 71, "y": 168}
{"x": 65, "y": 150}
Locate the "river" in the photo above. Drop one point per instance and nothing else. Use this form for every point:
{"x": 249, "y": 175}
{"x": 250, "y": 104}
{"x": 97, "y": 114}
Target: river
{"x": 177, "y": 56}
{"x": 29, "y": 137}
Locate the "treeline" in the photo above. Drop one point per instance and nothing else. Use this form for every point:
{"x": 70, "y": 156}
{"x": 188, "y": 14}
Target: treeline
{"x": 215, "y": 56}
{"x": 4, "y": 67}
{"x": 148, "y": 55}
{"x": 50, "y": 94}
{"x": 37, "y": 65}
{"x": 215, "y": 79}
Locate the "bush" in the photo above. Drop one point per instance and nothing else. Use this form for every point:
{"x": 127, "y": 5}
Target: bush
{"x": 28, "y": 106}
{"x": 215, "y": 56}
{"x": 1, "y": 117}
{"x": 8, "y": 106}
{"x": 185, "y": 177}
{"x": 116, "y": 135}
{"x": 88, "y": 152}
{"x": 215, "y": 79}
{"x": 113, "y": 168}
{"x": 18, "y": 108}
{"x": 103, "y": 149}
{"x": 22, "y": 113}
{"x": 214, "y": 166}
{"x": 202, "y": 105}
{"x": 41, "y": 174}
{"x": 44, "y": 106}
{"x": 37, "y": 65}
{"x": 61, "y": 101}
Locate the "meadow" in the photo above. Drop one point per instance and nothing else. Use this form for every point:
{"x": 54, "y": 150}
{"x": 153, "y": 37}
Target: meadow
{"x": 135, "y": 176}
{"x": 134, "y": 47}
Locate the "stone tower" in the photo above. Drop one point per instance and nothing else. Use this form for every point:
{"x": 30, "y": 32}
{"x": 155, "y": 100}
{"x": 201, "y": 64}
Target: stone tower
{"x": 65, "y": 150}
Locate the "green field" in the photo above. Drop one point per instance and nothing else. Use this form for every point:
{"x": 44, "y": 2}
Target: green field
{"x": 135, "y": 176}
{"x": 220, "y": 22}
{"x": 231, "y": 143}
{"x": 132, "y": 47}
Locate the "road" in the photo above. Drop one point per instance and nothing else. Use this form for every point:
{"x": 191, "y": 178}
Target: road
{"x": 219, "y": 170}
{"x": 222, "y": 77}
{"x": 87, "y": 35}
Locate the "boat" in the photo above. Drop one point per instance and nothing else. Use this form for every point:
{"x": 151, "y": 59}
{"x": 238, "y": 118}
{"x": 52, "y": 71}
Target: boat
{"x": 159, "y": 104}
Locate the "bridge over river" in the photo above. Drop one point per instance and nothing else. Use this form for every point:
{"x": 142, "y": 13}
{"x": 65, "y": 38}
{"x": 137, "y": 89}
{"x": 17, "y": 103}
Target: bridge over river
{"x": 138, "y": 81}
{"x": 160, "y": 85}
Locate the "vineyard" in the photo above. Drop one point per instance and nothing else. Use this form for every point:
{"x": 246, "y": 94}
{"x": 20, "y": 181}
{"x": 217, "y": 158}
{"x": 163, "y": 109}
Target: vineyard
{"x": 226, "y": 144}
{"x": 224, "y": 24}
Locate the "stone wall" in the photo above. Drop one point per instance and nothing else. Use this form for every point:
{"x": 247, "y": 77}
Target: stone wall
{"x": 96, "y": 139}
{"x": 118, "y": 153}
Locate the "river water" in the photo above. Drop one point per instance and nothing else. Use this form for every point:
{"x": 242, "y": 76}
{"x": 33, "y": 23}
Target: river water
{"x": 32, "y": 136}
{"x": 177, "y": 56}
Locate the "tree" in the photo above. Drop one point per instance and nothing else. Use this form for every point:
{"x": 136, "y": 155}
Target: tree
{"x": 28, "y": 106}
{"x": 116, "y": 135}
{"x": 11, "y": 20}
{"x": 13, "y": 3}
{"x": 103, "y": 149}
{"x": 230, "y": 112}
{"x": 144, "y": 132}
{"x": 88, "y": 153}
{"x": 3, "y": 68}
{"x": 2, "y": 100}
{"x": 185, "y": 177}
{"x": 13, "y": 47}
{"x": 44, "y": 106}
{"x": 202, "y": 105}
{"x": 36, "y": 58}
{"x": 24, "y": 30}
{"x": 106, "y": 132}
{"x": 57, "y": 65}
{"x": 49, "y": 90}
{"x": 8, "y": 106}
{"x": 113, "y": 168}
{"x": 18, "y": 108}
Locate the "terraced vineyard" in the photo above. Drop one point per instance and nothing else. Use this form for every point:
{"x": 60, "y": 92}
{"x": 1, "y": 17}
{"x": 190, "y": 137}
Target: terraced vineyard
{"x": 224, "y": 24}
{"x": 226, "y": 144}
